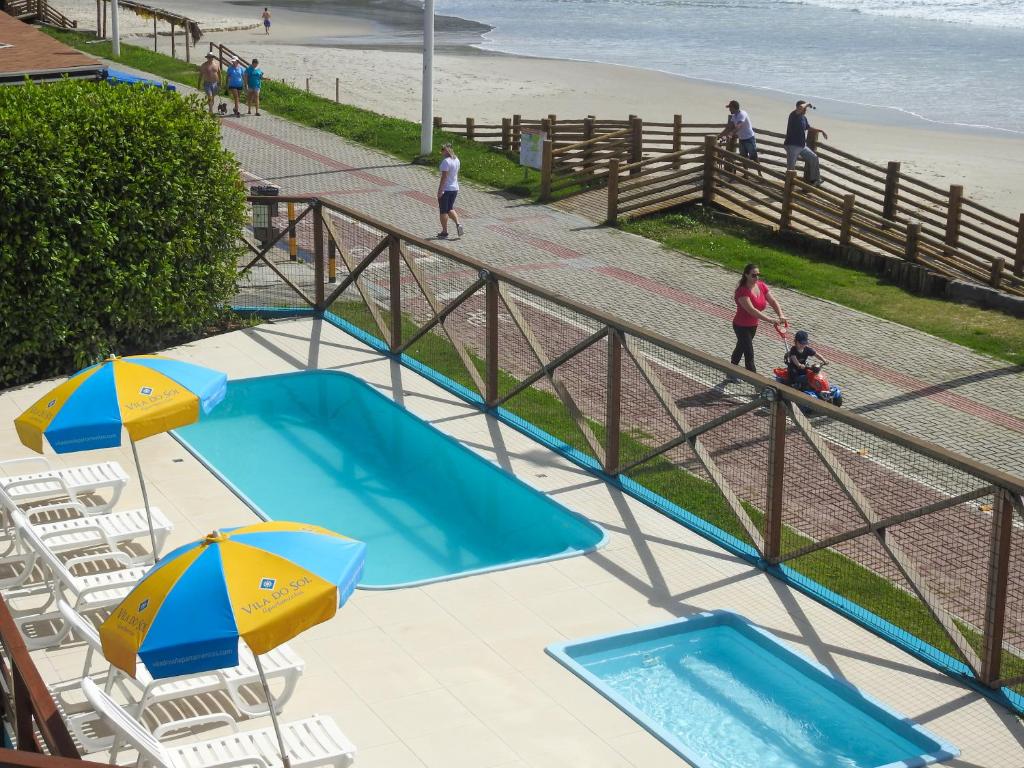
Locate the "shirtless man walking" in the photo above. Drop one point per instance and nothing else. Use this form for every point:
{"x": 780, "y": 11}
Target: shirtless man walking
{"x": 209, "y": 79}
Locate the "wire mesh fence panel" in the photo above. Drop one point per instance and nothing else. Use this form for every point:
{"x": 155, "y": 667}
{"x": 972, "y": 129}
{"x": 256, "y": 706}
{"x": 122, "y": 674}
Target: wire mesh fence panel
{"x": 678, "y": 477}
{"x": 430, "y": 282}
{"x": 537, "y": 328}
{"x": 1012, "y": 661}
{"x": 645, "y": 423}
{"x": 347, "y": 244}
{"x": 279, "y": 278}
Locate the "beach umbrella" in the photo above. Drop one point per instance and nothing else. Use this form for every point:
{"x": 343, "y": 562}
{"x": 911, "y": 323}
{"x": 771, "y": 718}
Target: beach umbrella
{"x": 145, "y": 394}
{"x": 263, "y": 583}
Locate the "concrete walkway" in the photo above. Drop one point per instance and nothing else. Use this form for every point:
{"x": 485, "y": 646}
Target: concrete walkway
{"x": 904, "y": 378}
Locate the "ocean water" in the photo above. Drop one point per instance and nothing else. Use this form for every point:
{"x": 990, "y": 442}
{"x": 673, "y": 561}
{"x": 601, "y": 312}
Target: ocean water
{"x": 944, "y": 62}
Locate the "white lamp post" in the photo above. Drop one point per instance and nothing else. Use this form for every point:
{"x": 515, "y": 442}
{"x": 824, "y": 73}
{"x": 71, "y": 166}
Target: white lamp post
{"x": 115, "y": 37}
{"x": 427, "y": 114}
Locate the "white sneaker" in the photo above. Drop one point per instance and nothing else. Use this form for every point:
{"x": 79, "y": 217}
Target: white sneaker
{"x": 459, "y": 229}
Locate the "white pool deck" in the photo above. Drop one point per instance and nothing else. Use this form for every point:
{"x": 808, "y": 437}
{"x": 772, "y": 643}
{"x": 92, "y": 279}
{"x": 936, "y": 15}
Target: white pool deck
{"x": 454, "y": 674}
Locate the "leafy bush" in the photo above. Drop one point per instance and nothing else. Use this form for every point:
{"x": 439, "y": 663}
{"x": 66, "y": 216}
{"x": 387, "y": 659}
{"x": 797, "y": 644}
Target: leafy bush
{"x": 120, "y": 224}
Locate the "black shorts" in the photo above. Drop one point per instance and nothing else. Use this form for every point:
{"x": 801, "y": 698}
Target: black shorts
{"x": 447, "y": 201}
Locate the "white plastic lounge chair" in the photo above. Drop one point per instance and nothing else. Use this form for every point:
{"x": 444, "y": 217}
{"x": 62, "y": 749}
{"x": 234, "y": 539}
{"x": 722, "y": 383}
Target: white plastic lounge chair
{"x": 86, "y": 592}
{"x": 72, "y": 528}
{"x": 314, "y": 741}
{"x": 282, "y": 662}
{"x": 34, "y": 479}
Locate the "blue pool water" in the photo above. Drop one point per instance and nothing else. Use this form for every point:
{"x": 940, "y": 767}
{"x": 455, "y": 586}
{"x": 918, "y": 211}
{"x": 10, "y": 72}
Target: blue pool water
{"x": 326, "y": 448}
{"x": 725, "y": 694}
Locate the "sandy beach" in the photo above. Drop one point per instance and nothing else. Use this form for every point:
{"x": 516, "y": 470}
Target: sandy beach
{"x": 375, "y": 55}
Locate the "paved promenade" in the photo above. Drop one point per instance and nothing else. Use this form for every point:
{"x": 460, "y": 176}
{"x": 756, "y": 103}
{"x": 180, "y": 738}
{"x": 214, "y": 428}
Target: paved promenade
{"x": 906, "y": 379}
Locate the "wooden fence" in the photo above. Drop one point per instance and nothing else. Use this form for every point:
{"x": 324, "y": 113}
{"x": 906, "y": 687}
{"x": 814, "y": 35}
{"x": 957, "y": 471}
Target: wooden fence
{"x": 188, "y": 26}
{"x": 876, "y": 208}
{"x": 39, "y": 11}
{"x": 909, "y": 527}
{"x": 28, "y": 706}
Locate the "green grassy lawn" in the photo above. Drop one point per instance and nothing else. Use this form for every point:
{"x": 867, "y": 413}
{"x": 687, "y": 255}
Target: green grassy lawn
{"x": 733, "y": 245}
{"x": 399, "y": 138}
{"x": 699, "y": 497}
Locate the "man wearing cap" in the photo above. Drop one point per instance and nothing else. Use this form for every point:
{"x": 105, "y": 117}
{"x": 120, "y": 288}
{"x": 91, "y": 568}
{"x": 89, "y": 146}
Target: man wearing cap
{"x": 236, "y": 81}
{"x": 209, "y": 79}
{"x": 795, "y": 143}
{"x": 738, "y": 125}
{"x": 448, "y": 189}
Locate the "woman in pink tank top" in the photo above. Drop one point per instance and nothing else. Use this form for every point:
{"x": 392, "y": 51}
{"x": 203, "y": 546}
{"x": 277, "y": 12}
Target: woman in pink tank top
{"x": 752, "y": 296}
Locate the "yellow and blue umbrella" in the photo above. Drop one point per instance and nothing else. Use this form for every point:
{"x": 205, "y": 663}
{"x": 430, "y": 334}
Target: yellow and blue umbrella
{"x": 263, "y": 583}
{"x": 144, "y": 394}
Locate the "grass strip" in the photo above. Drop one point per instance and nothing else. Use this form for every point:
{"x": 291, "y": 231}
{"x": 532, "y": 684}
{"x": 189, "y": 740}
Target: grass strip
{"x": 396, "y": 137}
{"x": 733, "y": 244}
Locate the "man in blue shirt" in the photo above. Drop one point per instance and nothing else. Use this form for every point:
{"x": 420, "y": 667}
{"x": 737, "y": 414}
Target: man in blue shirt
{"x": 253, "y": 83}
{"x": 236, "y": 76}
{"x": 796, "y": 143}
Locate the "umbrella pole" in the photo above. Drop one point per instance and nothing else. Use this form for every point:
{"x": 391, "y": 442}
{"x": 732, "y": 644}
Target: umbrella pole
{"x": 273, "y": 712}
{"x": 145, "y": 499}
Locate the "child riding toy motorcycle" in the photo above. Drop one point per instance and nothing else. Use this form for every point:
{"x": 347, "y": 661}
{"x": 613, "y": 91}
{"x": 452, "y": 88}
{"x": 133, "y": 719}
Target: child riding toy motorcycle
{"x": 805, "y": 375}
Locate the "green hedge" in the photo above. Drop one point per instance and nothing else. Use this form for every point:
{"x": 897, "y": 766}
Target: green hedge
{"x": 119, "y": 232}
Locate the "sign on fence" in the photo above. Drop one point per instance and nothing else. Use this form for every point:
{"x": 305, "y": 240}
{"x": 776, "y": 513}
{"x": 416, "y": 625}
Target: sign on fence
{"x": 531, "y": 147}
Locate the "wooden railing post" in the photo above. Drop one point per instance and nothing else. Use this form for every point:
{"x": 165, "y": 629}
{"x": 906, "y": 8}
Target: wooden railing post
{"x": 491, "y": 348}
{"x": 293, "y": 243}
{"x": 1018, "y": 261}
{"x": 24, "y": 732}
{"x": 545, "y": 172}
{"x": 677, "y": 138}
{"x": 892, "y": 190}
{"x": 849, "y": 202}
{"x": 471, "y": 129}
{"x": 588, "y": 151}
{"x": 953, "y": 212}
{"x": 506, "y": 134}
{"x": 332, "y": 261}
{"x": 438, "y": 123}
{"x": 996, "y": 274}
{"x": 636, "y": 143}
{"x": 105, "y": 4}
{"x": 776, "y": 480}
{"x": 517, "y": 127}
{"x": 318, "y": 256}
{"x": 552, "y": 123}
{"x": 99, "y": 28}
{"x": 913, "y": 241}
{"x": 337, "y": 90}
{"x": 786, "y": 215}
{"x": 613, "y": 192}
{"x": 709, "y": 170}
{"x": 613, "y": 402}
{"x": 154, "y": 34}
{"x": 395, "y": 287}
{"x": 307, "y": 85}
{"x": 998, "y": 577}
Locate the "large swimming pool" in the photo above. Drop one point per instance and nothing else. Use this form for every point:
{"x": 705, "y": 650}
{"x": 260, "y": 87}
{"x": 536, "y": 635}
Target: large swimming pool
{"x": 326, "y": 448}
{"x": 724, "y": 693}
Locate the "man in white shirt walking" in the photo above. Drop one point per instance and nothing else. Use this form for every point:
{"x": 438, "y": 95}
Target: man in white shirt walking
{"x": 448, "y": 189}
{"x": 738, "y": 125}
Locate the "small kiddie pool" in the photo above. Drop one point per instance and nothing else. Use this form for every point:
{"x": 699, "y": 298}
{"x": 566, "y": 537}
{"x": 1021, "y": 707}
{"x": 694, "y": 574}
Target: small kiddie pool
{"x": 326, "y": 448}
{"x": 723, "y": 693}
